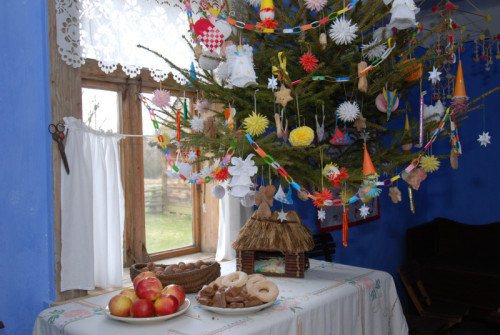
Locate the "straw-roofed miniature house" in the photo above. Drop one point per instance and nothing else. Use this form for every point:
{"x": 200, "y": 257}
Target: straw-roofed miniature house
{"x": 268, "y": 238}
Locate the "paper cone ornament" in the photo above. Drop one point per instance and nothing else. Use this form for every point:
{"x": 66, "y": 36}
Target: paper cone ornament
{"x": 368, "y": 167}
{"x": 266, "y": 10}
{"x": 459, "y": 92}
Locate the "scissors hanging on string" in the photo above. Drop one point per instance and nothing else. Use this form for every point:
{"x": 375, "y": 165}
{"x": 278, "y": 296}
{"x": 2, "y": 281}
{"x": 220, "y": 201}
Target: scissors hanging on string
{"x": 57, "y": 132}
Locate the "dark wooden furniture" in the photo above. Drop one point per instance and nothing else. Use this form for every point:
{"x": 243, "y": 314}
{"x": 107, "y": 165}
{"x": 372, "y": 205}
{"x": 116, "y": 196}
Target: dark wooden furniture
{"x": 460, "y": 263}
{"x": 427, "y": 306}
{"x": 324, "y": 246}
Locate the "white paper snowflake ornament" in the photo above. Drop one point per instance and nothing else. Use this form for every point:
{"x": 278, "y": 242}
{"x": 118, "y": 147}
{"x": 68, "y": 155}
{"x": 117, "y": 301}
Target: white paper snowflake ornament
{"x": 374, "y": 49}
{"x": 484, "y": 138}
{"x": 403, "y": 14}
{"x": 321, "y": 214}
{"x": 241, "y": 172}
{"x": 342, "y": 32}
{"x": 348, "y": 111}
{"x": 197, "y": 123}
{"x": 364, "y": 211}
{"x": 218, "y": 191}
{"x": 272, "y": 83}
{"x": 184, "y": 169}
{"x": 434, "y": 75}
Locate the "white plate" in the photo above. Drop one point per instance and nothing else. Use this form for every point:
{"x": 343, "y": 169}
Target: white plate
{"x": 184, "y": 307}
{"x": 237, "y": 311}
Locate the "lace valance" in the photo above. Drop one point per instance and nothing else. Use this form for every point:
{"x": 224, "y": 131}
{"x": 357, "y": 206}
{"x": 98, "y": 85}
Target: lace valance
{"x": 110, "y": 30}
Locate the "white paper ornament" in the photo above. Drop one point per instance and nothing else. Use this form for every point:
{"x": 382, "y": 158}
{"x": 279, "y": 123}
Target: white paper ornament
{"x": 348, "y": 111}
{"x": 240, "y": 63}
{"x": 342, "y": 32}
{"x": 208, "y": 60}
{"x": 383, "y": 33}
{"x": 197, "y": 123}
{"x": 241, "y": 172}
{"x": 373, "y": 51}
{"x": 218, "y": 191}
{"x": 224, "y": 27}
{"x": 403, "y": 14}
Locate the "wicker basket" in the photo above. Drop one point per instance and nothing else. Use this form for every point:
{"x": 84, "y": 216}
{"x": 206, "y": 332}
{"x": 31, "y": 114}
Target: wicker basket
{"x": 191, "y": 281}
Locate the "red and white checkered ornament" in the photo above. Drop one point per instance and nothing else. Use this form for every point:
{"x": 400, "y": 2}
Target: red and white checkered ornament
{"x": 208, "y": 34}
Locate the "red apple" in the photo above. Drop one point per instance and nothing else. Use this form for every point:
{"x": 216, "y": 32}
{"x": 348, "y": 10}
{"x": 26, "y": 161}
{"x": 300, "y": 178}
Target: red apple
{"x": 141, "y": 276}
{"x": 149, "y": 288}
{"x": 142, "y": 308}
{"x": 119, "y": 305}
{"x": 130, "y": 292}
{"x": 166, "y": 304}
{"x": 177, "y": 291}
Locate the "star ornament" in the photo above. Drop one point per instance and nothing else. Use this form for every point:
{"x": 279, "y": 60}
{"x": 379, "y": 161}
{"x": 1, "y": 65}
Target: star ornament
{"x": 283, "y": 96}
{"x": 321, "y": 214}
{"x": 434, "y": 75}
{"x": 282, "y": 215}
{"x": 272, "y": 83}
{"x": 360, "y": 123}
{"x": 484, "y": 138}
{"x": 364, "y": 211}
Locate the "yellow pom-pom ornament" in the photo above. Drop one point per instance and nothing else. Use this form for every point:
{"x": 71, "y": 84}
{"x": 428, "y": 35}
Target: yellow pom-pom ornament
{"x": 256, "y": 124}
{"x": 166, "y": 137}
{"x": 301, "y": 136}
{"x": 429, "y": 163}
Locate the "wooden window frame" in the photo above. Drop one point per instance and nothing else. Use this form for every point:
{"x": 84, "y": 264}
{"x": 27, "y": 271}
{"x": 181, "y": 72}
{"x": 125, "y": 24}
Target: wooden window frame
{"x": 66, "y": 100}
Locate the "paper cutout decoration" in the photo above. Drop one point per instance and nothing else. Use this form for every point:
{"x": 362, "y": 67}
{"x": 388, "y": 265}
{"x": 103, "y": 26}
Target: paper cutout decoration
{"x": 415, "y": 177}
{"x": 281, "y": 196}
{"x": 241, "y": 172}
{"x": 208, "y": 34}
{"x": 240, "y": 64}
{"x": 459, "y": 95}
{"x": 368, "y": 167}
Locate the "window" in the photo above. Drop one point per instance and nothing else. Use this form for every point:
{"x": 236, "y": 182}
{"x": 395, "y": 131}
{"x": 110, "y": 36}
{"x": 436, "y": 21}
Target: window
{"x": 162, "y": 213}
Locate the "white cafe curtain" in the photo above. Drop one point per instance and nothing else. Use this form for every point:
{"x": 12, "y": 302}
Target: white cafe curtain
{"x": 92, "y": 210}
{"x": 110, "y": 30}
{"x": 232, "y": 216}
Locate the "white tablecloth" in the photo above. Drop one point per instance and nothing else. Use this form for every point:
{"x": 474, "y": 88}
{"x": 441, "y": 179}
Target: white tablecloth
{"x": 332, "y": 299}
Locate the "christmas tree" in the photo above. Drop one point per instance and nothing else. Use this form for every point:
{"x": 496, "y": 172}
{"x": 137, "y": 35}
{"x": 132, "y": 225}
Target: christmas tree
{"x": 314, "y": 88}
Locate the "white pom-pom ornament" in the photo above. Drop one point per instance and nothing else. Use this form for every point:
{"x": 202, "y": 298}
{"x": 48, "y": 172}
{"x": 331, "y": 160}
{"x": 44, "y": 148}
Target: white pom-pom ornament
{"x": 372, "y": 50}
{"x": 342, "y": 32}
{"x": 197, "y": 124}
{"x": 315, "y": 5}
{"x": 348, "y": 111}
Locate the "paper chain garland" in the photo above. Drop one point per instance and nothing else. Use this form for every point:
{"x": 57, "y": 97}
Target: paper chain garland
{"x": 205, "y": 180}
{"x": 295, "y": 30}
{"x": 282, "y": 172}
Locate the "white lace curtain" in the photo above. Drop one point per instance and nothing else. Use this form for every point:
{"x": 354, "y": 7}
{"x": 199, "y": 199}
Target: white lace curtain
{"x": 110, "y": 30}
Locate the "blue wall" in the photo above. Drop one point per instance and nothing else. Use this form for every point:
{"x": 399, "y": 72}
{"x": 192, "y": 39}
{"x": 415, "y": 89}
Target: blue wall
{"x": 26, "y": 206}
{"x": 26, "y": 218}
{"x": 468, "y": 195}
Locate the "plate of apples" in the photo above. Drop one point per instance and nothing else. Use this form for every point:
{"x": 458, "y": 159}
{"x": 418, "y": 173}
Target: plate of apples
{"x": 148, "y": 301}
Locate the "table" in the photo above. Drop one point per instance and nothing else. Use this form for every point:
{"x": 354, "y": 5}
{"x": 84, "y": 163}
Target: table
{"x": 332, "y": 299}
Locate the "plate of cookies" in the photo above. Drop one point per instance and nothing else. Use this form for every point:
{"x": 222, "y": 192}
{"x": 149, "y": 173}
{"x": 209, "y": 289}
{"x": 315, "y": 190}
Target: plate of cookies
{"x": 238, "y": 294}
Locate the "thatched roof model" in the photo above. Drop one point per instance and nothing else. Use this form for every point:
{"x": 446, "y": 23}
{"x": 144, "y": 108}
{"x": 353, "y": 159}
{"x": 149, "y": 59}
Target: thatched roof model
{"x": 270, "y": 234}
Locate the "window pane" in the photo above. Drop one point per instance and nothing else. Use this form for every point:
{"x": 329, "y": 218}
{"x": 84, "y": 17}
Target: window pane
{"x": 168, "y": 201}
{"x": 100, "y": 109}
